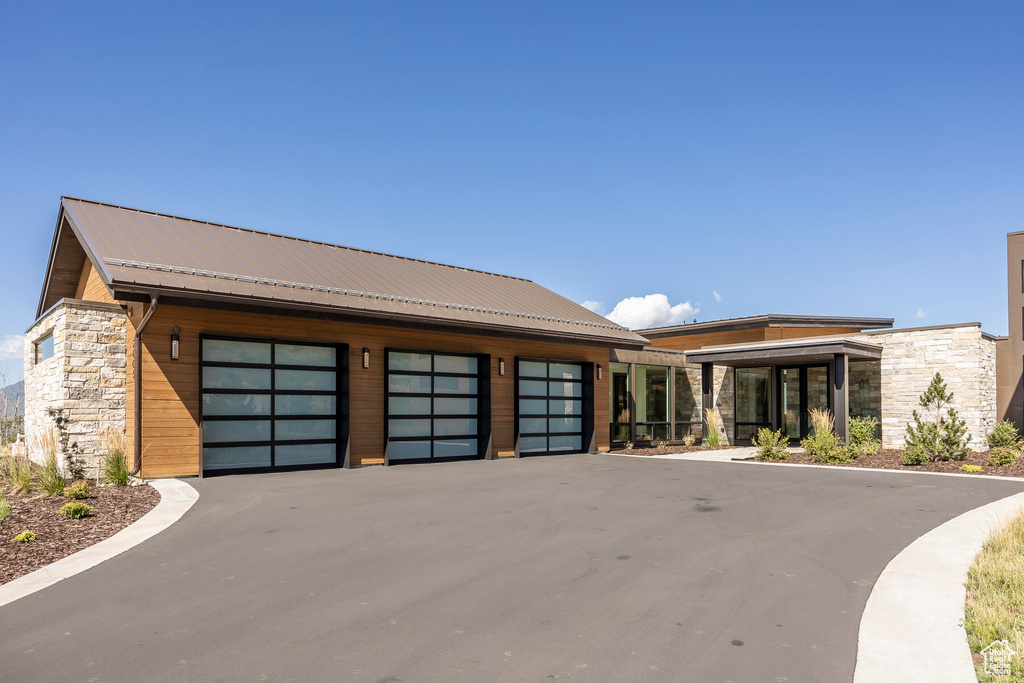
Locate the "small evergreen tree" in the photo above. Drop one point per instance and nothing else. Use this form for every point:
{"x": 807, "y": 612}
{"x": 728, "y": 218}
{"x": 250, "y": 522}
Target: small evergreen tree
{"x": 946, "y": 438}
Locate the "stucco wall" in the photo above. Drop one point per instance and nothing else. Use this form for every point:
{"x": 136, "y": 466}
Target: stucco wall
{"x": 85, "y": 376}
{"x": 964, "y": 357}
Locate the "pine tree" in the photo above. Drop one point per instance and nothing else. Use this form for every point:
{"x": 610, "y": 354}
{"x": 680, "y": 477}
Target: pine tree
{"x": 946, "y": 439}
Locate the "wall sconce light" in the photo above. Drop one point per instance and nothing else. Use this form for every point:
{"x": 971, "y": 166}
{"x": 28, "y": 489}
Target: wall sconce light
{"x": 599, "y": 373}
{"x": 175, "y": 343}
{"x": 366, "y": 357}
{"x": 501, "y": 366}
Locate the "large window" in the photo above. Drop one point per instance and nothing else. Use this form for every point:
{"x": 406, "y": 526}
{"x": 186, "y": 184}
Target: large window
{"x": 687, "y": 403}
{"x": 752, "y": 413}
{"x": 618, "y": 400}
{"x": 272, "y": 404}
{"x": 436, "y": 406}
{"x": 550, "y": 400}
{"x": 652, "y": 401}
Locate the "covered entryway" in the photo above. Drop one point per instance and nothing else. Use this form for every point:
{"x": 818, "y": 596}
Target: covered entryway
{"x": 270, "y": 405}
{"x": 805, "y": 374}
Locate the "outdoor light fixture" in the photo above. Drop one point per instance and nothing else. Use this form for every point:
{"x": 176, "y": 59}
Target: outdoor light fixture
{"x": 501, "y": 366}
{"x": 366, "y": 357}
{"x": 599, "y": 374}
{"x": 174, "y": 344}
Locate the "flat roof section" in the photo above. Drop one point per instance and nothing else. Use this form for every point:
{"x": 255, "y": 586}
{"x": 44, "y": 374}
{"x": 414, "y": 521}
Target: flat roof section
{"x": 766, "y": 320}
{"x": 785, "y": 351}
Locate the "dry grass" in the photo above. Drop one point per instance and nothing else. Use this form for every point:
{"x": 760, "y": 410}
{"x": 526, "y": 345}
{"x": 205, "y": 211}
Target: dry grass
{"x": 995, "y": 597}
{"x": 822, "y": 420}
{"x": 712, "y": 425}
{"x": 16, "y": 472}
{"x": 46, "y": 445}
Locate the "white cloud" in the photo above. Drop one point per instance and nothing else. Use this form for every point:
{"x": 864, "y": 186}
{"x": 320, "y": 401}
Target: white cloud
{"x": 718, "y": 297}
{"x": 921, "y": 313}
{"x": 595, "y": 306}
{"x": 653, "y": 310}
{"x": 12, "y": 347}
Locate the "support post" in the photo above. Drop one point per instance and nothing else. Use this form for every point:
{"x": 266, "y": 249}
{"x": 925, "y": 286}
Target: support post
{"x": 707, "y": 392}
{"x": 841, "y": 395}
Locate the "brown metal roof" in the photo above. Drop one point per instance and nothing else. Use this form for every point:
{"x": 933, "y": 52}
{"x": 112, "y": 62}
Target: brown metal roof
{"x": 141, "y": 252}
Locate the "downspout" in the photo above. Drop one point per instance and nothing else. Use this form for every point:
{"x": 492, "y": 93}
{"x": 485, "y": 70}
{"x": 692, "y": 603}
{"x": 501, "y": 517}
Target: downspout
{"x": 137, "y": 371}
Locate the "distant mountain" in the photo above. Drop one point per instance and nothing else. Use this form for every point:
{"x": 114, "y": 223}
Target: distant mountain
{"x": 15, "y": 392}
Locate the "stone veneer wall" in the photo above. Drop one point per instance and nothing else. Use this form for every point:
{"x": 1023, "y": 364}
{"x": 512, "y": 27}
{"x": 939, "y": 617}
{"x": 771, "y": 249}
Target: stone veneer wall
{"x": 725, "y": 402}
{"x": 86, "y": 376}
{"x": 966, "y": 359}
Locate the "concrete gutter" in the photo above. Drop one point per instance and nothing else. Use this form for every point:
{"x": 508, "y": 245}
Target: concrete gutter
{"x": 912, "y": 627}
{"x": 176, "y": 497}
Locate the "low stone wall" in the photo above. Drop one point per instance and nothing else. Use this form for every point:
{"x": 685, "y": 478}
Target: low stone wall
{"x": 86, "y": 376}
{"x": 963, "y": 355}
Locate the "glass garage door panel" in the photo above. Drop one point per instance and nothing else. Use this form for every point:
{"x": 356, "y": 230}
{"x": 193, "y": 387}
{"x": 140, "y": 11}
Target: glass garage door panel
{"x": 432, "y": 406}
{"x": 269, "y": 404}
{"x": 550, "y": 407}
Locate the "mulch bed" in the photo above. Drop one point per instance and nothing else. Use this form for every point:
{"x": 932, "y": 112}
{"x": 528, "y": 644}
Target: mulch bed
{"x": 57, "y": 536}
{"x": 667, "y": 450}
{"x": 890, "y": 460}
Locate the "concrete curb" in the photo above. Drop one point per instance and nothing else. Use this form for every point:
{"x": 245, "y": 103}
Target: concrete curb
{"x": 176, "y": 497}
{"x": 912, "y": 626}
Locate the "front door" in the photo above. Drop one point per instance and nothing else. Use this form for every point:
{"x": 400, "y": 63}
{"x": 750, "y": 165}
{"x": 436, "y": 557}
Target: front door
{"x": 801, "y": 389}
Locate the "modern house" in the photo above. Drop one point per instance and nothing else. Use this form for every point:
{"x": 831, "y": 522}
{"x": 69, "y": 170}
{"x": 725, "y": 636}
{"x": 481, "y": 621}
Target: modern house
{"x": 223, "y": 349}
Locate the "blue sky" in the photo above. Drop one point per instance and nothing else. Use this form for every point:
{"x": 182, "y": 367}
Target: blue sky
{"x": 819, "y": 158}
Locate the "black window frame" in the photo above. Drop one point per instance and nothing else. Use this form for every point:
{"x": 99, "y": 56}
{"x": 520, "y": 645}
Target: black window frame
{"x": 586, "y": 406}
{"x": 340, "y": 394}
{"x": 769, "y": 393}
{"x": 483, "y": 406}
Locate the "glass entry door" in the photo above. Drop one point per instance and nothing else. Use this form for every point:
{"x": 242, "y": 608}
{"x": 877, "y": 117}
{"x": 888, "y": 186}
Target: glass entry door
{"x": 800, "y": 390}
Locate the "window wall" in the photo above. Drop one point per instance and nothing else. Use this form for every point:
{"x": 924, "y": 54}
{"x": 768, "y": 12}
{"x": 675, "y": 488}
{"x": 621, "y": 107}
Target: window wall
{"x": 687, "y": 403}
{"x": 752, "y": 411}
{"x": 652, "y": 401}
{"x": 619, "y": 390}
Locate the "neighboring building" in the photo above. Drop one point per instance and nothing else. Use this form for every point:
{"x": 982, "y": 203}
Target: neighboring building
{"x": 1011, "y": 347}
{"x": 221, "y": 349}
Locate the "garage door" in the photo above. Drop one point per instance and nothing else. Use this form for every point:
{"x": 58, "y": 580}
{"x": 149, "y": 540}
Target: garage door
{"x": 551, "y": 406}
{"x": 437, "y": 406}
{"x": 272, "y": 404}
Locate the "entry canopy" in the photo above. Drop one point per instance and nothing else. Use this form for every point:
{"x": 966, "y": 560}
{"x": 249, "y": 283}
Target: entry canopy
{"x": 790, "y": 351}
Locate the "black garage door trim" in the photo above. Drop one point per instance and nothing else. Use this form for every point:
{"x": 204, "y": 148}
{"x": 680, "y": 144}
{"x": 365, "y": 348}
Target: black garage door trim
{"x": 340, "y": 394}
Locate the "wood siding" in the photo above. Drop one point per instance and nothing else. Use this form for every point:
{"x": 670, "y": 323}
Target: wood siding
{"x": 171, "y": 395}
{"x": 91, "y": 287}
{"x": 687, "y": 342}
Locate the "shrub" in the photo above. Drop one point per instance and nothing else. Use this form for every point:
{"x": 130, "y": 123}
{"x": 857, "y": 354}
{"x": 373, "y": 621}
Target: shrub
{"x": 712, "y": 424}
{"x": 689, "y": 440}
{"x": 1001, "y": 456}
{"x": 79, "y": 490}
{"x": 113, "y": 465}
{"x": 771, "y": 445}
{"x": 5, "y": 507}
{"x": 1005, "y": 435}
{"x": 51, "y": 479}
{"x": 946, "y": 438}
{"x": 70, "y": 451}
{"x": 25, "y": 537}
{"x": 971, "y": 468}
{"x": 75, "y": 510}
{"x": 823, "y": 445}
{"x": 862, "y": 435}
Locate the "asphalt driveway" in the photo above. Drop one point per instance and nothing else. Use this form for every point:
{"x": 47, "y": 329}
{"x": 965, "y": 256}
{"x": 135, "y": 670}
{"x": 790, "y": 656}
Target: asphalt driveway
{"x": 578, "y": 568}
